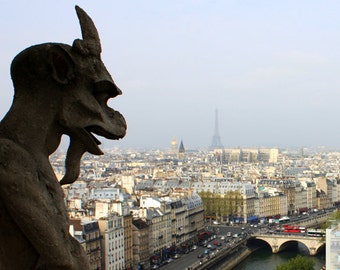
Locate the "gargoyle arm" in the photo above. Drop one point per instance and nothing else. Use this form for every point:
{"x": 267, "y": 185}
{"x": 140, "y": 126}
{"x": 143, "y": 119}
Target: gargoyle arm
{"x": 37, "y": 208}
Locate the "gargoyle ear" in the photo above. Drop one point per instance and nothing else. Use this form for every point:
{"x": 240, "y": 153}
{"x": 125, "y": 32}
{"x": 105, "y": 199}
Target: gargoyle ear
{"x": 62, "y": 64}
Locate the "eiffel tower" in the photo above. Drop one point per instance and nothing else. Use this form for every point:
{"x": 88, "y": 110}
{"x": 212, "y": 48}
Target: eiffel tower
{"x": 216, "y": 140}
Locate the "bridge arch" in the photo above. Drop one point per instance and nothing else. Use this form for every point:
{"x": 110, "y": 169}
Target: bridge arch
{"x": 258, "y": 242}
{"x": 288, "y": 244}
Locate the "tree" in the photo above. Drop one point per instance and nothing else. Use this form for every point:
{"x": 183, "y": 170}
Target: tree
{"x": 218, "y": 205}
{"x": 299, "y": 262}
{"x": 333, "y": 217}
{"x": 208, "y": 199}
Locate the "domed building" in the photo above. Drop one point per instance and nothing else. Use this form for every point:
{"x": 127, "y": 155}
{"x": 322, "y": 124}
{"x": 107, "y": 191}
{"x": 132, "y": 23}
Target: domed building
{"x": 174, "y": 146}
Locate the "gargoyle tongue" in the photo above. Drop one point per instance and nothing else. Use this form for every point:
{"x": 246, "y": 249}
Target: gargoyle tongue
{"x": 72, "y": 162}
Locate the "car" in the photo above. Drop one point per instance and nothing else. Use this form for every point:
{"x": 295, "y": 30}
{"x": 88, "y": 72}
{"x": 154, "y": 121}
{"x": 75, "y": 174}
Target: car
{"x": 194, "y": 247}
{"x": 216, "y": 223}
{"x": 154, "y": 266}
{"x": 206, "y": 251}
{"x": 222, "y": 237}
{"x": 169, "y": 260}
{"x": 228, "y": 234}
{"x": 201, "y": 255}
{"x": 176, "y": 256}
{"x": 209, "y": 246}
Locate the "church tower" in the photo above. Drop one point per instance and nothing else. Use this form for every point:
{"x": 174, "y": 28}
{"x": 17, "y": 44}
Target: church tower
{"x": 181, "y": 151}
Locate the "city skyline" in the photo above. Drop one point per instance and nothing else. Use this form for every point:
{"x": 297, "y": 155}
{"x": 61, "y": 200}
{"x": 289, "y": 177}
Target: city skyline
{"x": 271, "y": 69}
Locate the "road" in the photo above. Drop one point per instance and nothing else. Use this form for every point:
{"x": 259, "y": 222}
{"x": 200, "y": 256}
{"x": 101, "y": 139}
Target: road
{"x": 191, "y": 258}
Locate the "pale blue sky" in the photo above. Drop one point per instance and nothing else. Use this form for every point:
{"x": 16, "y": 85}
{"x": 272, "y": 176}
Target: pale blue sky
{"x": 271, "y": 68}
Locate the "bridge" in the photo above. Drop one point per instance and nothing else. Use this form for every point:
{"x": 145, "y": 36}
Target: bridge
{"x": 278, "y": 242}
{"x": 229, "y": 257}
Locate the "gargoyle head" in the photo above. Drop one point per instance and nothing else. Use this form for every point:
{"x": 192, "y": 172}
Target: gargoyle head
{"x": 79, "y": 87}
{"x": 86, "y": 111}
{"x": 95, "y": 116}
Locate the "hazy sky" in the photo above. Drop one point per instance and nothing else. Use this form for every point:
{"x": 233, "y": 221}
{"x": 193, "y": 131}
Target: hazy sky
{"x": 271, "y": 68}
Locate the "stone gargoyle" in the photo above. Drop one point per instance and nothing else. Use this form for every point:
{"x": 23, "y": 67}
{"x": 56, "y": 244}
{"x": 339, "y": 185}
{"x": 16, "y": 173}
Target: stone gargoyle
{"x": 59, "y": 89}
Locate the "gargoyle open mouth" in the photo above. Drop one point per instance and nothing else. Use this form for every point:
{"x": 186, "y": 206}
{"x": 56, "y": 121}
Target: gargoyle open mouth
{"x": 97, "y": 130}
{"x": 101, "y": 132}
{"x": 91, "y": 131}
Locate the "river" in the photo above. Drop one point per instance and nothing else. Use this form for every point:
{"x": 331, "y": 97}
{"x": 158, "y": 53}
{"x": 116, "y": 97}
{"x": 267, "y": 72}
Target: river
{"x": 265, "y": 259}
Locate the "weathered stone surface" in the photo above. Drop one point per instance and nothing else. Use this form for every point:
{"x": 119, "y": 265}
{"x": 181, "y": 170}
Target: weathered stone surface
{"x": 59, "y": 89}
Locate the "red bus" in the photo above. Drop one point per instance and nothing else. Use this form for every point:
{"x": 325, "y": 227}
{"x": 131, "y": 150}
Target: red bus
{"x": 292, "y": 229}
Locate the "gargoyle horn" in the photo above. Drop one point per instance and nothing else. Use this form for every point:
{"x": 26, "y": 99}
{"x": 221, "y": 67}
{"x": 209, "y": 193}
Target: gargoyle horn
{"x": 90, "y": 45}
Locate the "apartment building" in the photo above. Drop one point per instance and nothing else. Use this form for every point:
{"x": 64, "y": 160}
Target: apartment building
{"x": 330, "y": 187}
{"x": 112, "y": 231}
{"x": 157, "y": 214}
{"x": 322, "y": 199}
{"x": 140, "y": 248}
{"x": 286, "y": 186}
{"x": 104, "y": 208}
{"x": 266, "y": 155}
{"x": 300, "y": 198}
{"x": 271, "y": 204}
{"x": 195, "y": 216}
{"x": 179, "y": 226}
{"x": 311, "y": 194}
{"x": 88, "y": 234}
{"x": 123, "y": 209}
